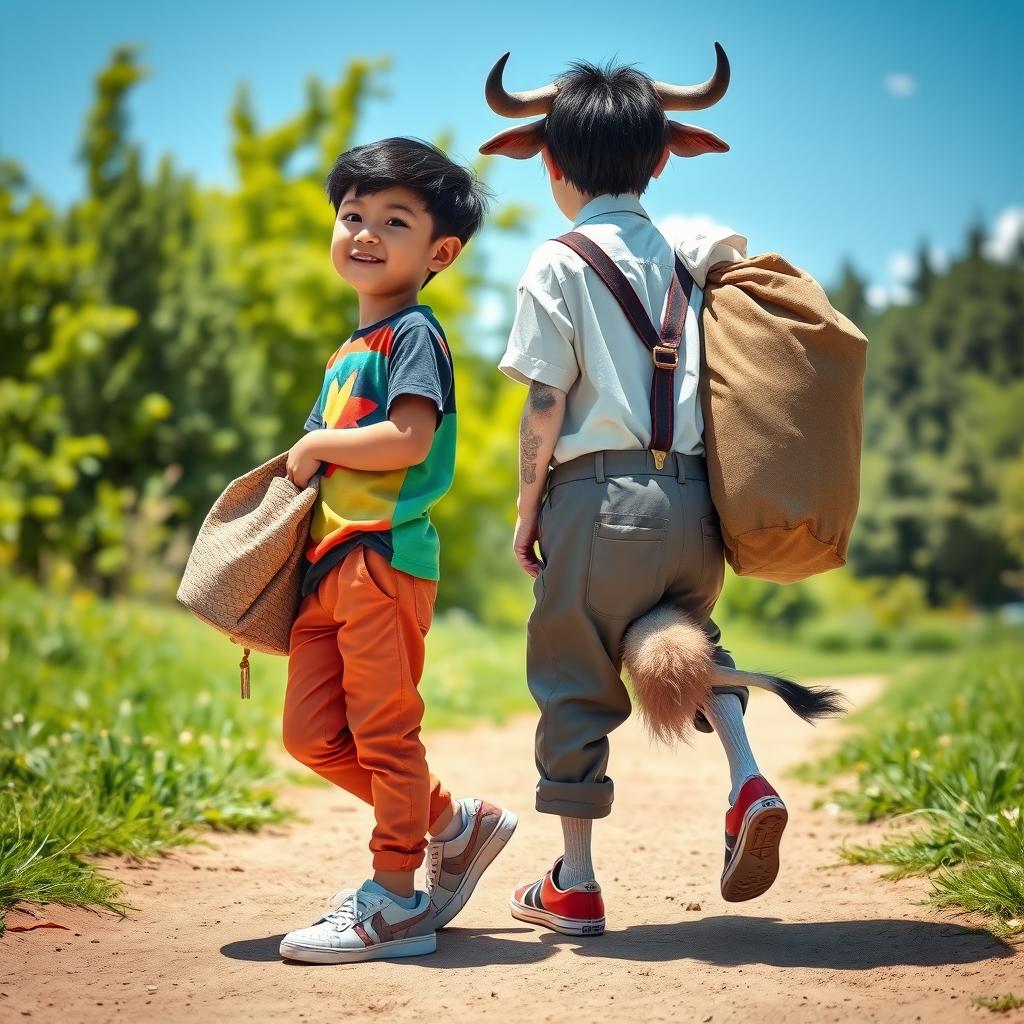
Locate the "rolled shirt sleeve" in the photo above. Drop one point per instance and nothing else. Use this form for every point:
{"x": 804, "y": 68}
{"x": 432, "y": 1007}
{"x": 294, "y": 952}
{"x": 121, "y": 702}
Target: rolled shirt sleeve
{"x": 540, "y": 345}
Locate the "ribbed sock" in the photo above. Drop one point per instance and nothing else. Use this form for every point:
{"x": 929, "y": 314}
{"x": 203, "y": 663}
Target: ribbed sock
{"x": 725, "y": 713}
{"x": 577, "y": 867}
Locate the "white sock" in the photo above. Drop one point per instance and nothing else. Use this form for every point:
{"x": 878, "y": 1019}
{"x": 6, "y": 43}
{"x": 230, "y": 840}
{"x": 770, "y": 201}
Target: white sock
{"x": 454, "y": 827}
{"x": 577, "y": 866}
{"x": 725, "y": 713}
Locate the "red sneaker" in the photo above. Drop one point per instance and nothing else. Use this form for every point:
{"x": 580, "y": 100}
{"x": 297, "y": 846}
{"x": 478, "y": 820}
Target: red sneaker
{"x": 575, "y": 911}
{"x": 753, "y": 831}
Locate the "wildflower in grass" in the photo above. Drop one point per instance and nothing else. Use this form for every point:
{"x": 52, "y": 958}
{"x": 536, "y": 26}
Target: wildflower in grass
{"x": 124, "y": 708}
{"x": 66, "y": 737}
{"x": 184, "y": 737}
{"x": 205, "y": 740}
{"x": 18, "y": 718}
{"x": 943, "y": 741}
{"x": 203, "y": 698}
{"x": 1011, "y": 814}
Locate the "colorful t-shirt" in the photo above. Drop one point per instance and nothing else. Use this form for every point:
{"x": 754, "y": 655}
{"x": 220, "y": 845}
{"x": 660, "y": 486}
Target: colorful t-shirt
{"x": 389, "y": 511}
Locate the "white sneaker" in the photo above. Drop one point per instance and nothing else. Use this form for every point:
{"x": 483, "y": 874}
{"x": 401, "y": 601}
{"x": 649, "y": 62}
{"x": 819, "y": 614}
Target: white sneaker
{"x": 454, "y": 867}
{"x": 369, "y": 925}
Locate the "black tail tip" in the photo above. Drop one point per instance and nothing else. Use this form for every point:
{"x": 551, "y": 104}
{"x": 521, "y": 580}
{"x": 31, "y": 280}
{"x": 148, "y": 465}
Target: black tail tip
{"x": 811, "y": 702}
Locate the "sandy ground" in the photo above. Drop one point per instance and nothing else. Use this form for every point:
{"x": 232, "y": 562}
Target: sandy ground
{"x": 827, "y": 943}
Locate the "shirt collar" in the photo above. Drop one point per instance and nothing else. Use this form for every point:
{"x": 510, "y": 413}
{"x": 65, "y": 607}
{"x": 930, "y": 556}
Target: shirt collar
{"x": 602, "y": 207}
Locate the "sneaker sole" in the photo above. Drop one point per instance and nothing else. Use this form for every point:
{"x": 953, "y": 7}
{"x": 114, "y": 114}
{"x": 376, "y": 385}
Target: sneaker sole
{"x": 563, "y": 925}
{"x": 418, "y": 945}
{"x": 755, "y": 864}
{"x": 481, "y": 862}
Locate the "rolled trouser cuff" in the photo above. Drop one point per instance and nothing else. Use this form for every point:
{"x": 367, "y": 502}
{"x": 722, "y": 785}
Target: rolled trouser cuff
{"x": 576, "y": 799}
{"x": 701, "y": 722}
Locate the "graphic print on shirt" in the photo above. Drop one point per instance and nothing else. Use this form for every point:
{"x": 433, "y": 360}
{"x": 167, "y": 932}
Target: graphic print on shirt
{"x": 387, "y": 510}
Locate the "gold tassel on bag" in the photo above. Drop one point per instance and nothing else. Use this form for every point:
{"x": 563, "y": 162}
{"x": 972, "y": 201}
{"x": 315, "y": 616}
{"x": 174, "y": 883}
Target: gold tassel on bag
{"x": 243, "y": 666}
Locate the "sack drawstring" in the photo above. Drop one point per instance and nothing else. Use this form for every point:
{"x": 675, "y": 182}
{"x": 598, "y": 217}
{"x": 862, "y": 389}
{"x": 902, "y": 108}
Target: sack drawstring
{"x": 243, "y": 666}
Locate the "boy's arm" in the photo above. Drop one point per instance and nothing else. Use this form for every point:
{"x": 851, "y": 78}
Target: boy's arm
{"x": 404, "y": 439}
{"x": 539, "y": 429}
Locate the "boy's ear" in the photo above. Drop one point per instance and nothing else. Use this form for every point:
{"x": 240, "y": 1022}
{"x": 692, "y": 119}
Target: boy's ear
{"x": 444, "y": 256}
{"x": 689, "y": 140}
{"x": 520, "y": 142}
{"x": 554, "y": 171}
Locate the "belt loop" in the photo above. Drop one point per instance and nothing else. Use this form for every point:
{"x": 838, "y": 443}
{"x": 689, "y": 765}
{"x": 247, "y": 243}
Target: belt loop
{"x": 599, "y": 466}
{"x": 680, "y": 467}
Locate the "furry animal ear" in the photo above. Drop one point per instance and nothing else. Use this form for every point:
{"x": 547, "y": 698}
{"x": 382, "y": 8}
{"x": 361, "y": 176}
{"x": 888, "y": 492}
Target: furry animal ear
{"x": 669, "y": 662}
{"x": 689, "y": 140}
{"x": 520, "y": 142}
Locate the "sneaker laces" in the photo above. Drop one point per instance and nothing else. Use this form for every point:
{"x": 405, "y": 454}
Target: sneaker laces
{"x": 434, "y": 851}
{"x": 348, "y": 912}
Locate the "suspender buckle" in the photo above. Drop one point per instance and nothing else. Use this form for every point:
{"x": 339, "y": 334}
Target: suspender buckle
{"x": 665, "y": 358}
{"x": 659, "y": 458}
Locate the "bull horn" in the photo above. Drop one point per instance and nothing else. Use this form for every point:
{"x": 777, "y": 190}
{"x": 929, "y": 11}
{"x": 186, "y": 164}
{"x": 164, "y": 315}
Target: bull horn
{"x": 517, "y": 104}
{"x": 692, "y": 97}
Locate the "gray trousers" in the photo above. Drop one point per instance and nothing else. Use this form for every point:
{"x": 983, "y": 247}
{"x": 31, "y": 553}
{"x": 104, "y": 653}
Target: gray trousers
{"x": 617, "y": 537}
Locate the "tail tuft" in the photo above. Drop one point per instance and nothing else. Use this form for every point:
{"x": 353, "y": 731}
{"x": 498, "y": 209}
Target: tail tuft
{"x": 668, "y": 659}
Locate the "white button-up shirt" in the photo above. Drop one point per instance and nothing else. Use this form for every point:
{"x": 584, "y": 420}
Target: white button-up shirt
{"x": 570, "y": 333}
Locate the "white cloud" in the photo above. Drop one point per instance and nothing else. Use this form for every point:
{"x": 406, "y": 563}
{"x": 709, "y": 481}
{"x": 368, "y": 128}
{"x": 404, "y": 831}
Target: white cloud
{"x": 677, "y": 226}
{"x": 938, "y": 258}
{"x": 1006, "y": 234}
{"x": 901, "y": 266}
{"x": 881, "y": 295}
{"x": 900, "y": 84}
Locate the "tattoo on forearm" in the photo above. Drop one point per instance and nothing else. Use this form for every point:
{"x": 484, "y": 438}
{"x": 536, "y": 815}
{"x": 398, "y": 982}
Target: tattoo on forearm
{"x": 529, "y": 446}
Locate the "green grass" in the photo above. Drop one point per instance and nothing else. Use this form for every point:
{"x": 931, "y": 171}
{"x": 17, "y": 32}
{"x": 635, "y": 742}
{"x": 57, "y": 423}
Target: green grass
{"x": 1000, "y": 1004}
{"x": 941, "y": 754}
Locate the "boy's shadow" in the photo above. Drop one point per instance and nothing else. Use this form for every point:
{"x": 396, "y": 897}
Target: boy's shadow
{"x": 456, "y": 947}
{"x": 718, "y": 941}
{"x": 833, "y": 945}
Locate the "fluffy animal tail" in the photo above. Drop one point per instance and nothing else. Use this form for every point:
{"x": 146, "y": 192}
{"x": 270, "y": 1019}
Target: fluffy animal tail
{"x": 671, "y": 667}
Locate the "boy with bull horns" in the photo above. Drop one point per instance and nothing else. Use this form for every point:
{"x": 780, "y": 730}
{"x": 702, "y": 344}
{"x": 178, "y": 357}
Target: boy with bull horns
{"x": 613, "y": 477}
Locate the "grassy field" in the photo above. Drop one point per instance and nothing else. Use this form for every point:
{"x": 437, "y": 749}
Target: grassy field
{"x": 121, "y": 730}
{"x": 941, "y": 755}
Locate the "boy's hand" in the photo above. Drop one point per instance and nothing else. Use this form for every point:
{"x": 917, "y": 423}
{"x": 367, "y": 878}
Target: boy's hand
{"x": 524, "y": 544}
{"x": 301, "y": 465}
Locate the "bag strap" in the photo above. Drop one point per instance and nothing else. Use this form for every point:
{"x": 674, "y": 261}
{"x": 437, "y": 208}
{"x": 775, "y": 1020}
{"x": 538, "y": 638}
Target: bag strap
{"x": 663, "y": 344}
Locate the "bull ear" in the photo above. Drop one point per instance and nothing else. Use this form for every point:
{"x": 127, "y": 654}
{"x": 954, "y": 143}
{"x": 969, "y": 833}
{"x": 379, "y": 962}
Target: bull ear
{"x": 689, "y": 140}
{"x": 520, "y": 142}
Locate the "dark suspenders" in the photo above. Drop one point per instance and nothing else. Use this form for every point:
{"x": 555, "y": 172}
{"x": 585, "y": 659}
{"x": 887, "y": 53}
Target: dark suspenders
{"x": 663, "y": 345}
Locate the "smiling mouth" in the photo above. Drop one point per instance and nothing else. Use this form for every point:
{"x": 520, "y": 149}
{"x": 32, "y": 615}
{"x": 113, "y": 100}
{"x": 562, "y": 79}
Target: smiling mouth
{"x": 365, "y": 257}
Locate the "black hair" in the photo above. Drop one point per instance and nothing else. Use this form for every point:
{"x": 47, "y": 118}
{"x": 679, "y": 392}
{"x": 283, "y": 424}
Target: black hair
{"x": 454, "y": 197}
{"x": 606, "y": 128}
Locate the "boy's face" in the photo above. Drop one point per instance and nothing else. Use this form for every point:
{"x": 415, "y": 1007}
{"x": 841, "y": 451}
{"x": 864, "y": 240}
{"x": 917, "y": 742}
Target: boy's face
{"x": 383, "y": 242}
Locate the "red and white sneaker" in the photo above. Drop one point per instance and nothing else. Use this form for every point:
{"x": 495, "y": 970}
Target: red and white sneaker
{"x": 575, "y": 911}
{"x": 753, "y": 830}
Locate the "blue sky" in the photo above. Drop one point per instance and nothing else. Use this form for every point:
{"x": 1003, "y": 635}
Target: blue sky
{"x": 856, "y": 129}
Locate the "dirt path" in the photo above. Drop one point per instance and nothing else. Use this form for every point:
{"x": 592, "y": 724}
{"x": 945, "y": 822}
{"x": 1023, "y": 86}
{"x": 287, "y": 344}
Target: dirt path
{"x": 824, "y": 944}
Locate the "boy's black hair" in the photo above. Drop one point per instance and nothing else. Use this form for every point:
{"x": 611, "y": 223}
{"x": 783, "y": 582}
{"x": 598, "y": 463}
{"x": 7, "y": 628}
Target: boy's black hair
{"x": 606, "y": 128}
{"x": 454, "y": 197}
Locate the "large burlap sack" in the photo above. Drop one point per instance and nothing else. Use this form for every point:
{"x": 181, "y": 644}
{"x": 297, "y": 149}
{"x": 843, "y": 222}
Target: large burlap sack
{"x": 244, "y": 575}
{"x": 782, "y": 395}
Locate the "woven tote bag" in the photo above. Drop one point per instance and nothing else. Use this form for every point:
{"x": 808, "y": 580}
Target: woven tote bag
{"x": 782, "y": 388}
{"x": 244, "y": 574}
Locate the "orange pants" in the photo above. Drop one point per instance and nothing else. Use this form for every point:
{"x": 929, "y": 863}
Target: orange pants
{"x": 352, "y": 711}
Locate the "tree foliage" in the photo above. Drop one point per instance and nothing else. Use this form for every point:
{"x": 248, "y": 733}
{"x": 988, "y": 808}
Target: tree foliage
{"x": 943, "y": 478}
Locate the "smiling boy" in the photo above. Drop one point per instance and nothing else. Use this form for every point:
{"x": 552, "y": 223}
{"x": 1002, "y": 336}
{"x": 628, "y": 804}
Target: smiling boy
{"x": 383, "y": 432}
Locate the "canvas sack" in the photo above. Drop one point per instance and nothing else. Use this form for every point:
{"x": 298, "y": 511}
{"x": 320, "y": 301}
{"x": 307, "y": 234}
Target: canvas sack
{"x": 782, "y": 382}
{"x": 244, "y": 575}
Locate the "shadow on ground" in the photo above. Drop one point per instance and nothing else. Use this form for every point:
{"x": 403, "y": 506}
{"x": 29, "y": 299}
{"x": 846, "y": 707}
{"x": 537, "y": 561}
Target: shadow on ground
{"x": 717, "y": 941}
